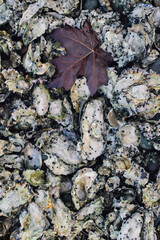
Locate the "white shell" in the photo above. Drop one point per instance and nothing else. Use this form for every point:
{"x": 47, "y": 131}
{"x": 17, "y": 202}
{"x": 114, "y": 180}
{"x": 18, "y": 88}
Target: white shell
{"x": 79, "y": 93}
{"x": 92, "y": 130}
{"x": 41, "y": 100}
{"x": 131, "y": 228}
{"x": 35, "y": 29}
{"x": 83, "y": 181}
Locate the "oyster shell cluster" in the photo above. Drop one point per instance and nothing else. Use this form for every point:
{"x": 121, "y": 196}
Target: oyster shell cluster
{"x": 74, "y": 166}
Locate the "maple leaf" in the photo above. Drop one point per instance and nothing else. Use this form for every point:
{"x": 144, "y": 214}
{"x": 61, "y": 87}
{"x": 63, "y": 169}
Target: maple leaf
{"x": 84, "y": 57}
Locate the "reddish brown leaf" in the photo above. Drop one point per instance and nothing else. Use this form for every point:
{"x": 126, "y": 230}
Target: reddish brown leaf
{"x": 84, "y": 57}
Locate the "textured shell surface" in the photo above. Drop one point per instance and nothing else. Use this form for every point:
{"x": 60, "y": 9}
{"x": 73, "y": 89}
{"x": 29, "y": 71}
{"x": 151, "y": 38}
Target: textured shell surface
{"x": 14, "y": 144}
{"x": 58, "y": 166}
{"x": 63, "y": 6}
{"x": 31, "y": 57}
{"x": 35, "y": 29}
{"x": 79, "y": 93}
{"x": 93, "y": 209}
{"x": 151, "y": 58}
{"x": 137, "y": 176}
{"x": 35, "y": 178}
{"x": 128, "y": 135}
{"x": 82, "y": 183}
{"x": 60, "y": 145}
{"x": 16, "y": 197}
{"x": 148, "y": 230}
{"x": 32, "y": 10}
{"x": 133, "y": 94}
{"x": 6, "y": 44}
{"x": 33, "y": 222}
{"x": 112, "y": 183}
{"x": 124, "y": 6}
{"x": 33, "y": 158}
{"x": 24, "y": 118}
{"x": 7, "y": 176}
{"x": 92, "y": 130}
{"x": 60, "y": 111}
{"x": 127, "y": 231}
{"x": 5, "y": 13}
{"x": 64, "y": 222}
{"x": 151, "y": 197}
{"x": 131, "y": 45}
{"x": 41, "y": 99}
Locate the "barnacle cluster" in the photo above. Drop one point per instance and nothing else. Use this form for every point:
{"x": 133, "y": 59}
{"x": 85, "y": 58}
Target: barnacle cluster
{"x": 74, "y": 166}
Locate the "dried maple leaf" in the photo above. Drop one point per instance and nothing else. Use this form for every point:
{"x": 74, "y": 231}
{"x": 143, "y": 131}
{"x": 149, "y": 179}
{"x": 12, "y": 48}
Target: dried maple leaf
{"x": 84, "y": 57}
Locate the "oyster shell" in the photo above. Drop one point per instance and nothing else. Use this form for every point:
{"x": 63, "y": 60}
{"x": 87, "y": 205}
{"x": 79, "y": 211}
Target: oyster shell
{"x": 41, "y": 100}
{"x": 148, "y": 232}
{"x": 12, "y": 161}
{"x": 58, "y": 166}
{"x": 128, "y": 135}
{"x": 7, "y": 176}
{"x": 35, "y": 178}
{"x": 64, "y": 222}
{"x": 31, "y": 11}
{"x": 91, "y": 210}
{"x": 124, "y": 6}
{"x": 151, "y": 58}
{"x": 54, "y": 143}
{"x": 34, "y": 30}
{"x": 133, "y": 94}
{"x": 136, "y": 175}
{"x": 49, "y": 234}
{"x": 63, "y": 6}
{"x": 79, "y": 93}
{"x": 93, "y": 231}
{"x": 112, "y": 183}
{"x": 23, "y": 118}
{"x": 6, "y": 44}
{"x": 14, "y": 144}
{"x": 14, "y": 81}
{"x": 33, "y": 158}
{"x": 45, "y": 201}
{"x": 84, "y": 182}
{"x": 33, "y": 222}
{"x": 92, "y": 130}
{"x": 132, "y": 45}
{"x": 151, "y": 197}
{"x": 131, "y": 228}
{"x": 60, "y": 111}
{"x": 15, "y": 197}
{"x": 5, "y": 13}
